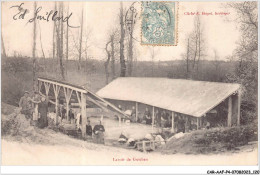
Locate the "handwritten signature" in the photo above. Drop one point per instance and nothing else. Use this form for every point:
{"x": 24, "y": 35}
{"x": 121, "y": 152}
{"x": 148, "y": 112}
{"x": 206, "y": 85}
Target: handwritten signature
{"x": 48, "y": 16}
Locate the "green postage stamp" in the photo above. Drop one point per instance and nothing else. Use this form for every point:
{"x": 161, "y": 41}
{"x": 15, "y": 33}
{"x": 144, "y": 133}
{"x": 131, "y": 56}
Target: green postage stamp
{"x": 159, "y": 23}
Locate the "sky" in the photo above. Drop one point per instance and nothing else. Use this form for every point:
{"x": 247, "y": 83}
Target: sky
{"x": 100, "y": 18}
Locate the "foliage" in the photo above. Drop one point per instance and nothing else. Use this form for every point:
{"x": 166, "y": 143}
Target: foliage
{"x": 214, "y": 140}
{"x": 230, "y": 138}
{"x": 14, "y": 65}
{"x": 17, "y": 73}
{"x": 246, "y": 54}
{"x": 13, "y": 87}
{"x": 248, "y": 116}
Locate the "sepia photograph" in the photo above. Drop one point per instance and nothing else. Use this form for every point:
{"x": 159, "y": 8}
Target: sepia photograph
{"x": 129, "y": 83}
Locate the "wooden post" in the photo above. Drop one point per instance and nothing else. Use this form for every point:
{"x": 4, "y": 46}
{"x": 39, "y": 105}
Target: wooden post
{"x": 47, "y": 88}
{"x": 40, "y": 85}
{"x": 153, "y": 119}
{"x": 136, "y": 111}
{"x": 238, "y": 107}
{"x": 56, "y": 109}
{"x": 229, "y": 111}
{"x": 36, "y": 106}
{"x": 78, "y": 97}
{"x": 172, "y": 121}
{"x": 56, "y": 89}
{"x": 83, "y": 113}
{"x": 144, "y": 147}
{"x": 197, "y": 123}
{"x": 67, "y": 93}
{"x": 119, "y": 120}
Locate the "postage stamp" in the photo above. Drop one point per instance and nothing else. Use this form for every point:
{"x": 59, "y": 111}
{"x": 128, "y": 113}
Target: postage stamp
{"x": 159, "y": 23}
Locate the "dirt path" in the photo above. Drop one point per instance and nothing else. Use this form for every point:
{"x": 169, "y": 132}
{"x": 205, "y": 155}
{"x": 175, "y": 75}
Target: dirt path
{"x": 34, "y": 146}
{"x": 54, "y": 148}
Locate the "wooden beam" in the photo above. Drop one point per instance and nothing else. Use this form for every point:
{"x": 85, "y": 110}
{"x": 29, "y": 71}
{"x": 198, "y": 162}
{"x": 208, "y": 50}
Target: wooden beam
{"x": 56, "y": 89}
{"x": 153, "y": 119}
{"x": 229, "y": 118}
{"x": 119, "y": 120}
{"x": 47, "y": 88}
{"x": 239, "y": 105}
{"x": 83, "y": 113}
{"x": 63, "y": 85}
{"x": 56, "y": 108}
{"x": 81, "y": 90}
{"x": 78, "y": 97}
{"x": 56, "y": 93}
{"x": 107, "y": 103}
{"x": 136, "y": 111}
{"x": 40, "y": 85}
{"x": 67, "y": 93}
{"x": 197, "y": 123}
{"x": 172, "y": 121}
{"x": 99, "y": 104}
{"x": 144, "y": 147}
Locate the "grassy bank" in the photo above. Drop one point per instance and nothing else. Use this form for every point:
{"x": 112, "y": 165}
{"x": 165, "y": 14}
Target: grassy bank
{"x": 214, "y": 140}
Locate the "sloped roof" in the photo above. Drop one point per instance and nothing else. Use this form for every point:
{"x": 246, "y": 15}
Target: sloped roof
{"x": 188, "y": 97}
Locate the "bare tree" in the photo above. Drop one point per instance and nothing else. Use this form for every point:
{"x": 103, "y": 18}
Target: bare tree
{"x": 57, "y": 39}
{"x": 112, "y": 38}
{"x": 187, "y": 59}
{"x": 110, "y": 54}
{"x": 122, "y": 30}
{"x": 247, "y": 50}
{"x": 33, "y": 53}
{"x": 216, "y": 63}
{"x": 152, "y": 53}
{"x": 67, "y": 41}
{"x": 87, "y": 46}
{"x": 108, "y": 60}
{"x": 53, "y": 37}
{"x": 43, "y": 54}
{"x": 247, "y": 18}
{"x": 200, "y": 42}
{"x": 130, "y": 43}
{"x": 80, "y": 40}
{"x": 61, "y": 44}
{"x": 195, "y": 49}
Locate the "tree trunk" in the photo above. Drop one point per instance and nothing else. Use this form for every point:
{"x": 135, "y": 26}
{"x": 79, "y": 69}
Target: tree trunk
{"x": 130, "y": 48}
{"x": 53, "y": 39}
{"x": 86, "y": 53}
{"x": 61, "y": 44}
{"x": 57, "y": 40}
{"x": 113, "y": 56}
{"x": 43, "y": 54}
{"x": 80, "y": 41}
{"x": 122, "y": 58}
{"x": 187, "y": 58}
{"x": 199, "y": 46}
{"x": 107, "y": 62}
{"x": 33, "y": 54}
{"x": 67, "y": 42}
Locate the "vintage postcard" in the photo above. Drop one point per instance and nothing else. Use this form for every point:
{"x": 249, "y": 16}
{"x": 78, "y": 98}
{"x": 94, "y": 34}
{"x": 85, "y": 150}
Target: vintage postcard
{"x": 129, "y": 83}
